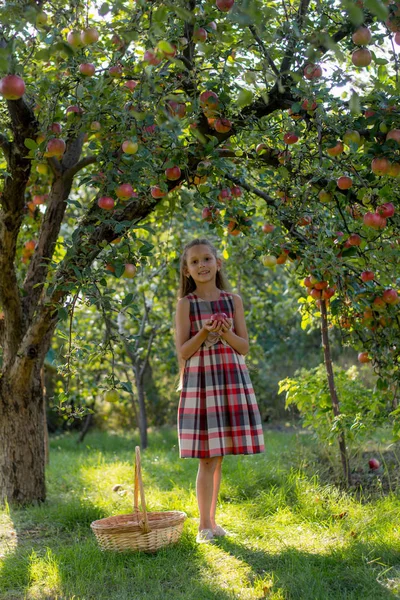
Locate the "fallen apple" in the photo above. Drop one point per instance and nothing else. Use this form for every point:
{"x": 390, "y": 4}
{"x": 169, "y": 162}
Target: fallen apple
{"x": 374, "y": 464}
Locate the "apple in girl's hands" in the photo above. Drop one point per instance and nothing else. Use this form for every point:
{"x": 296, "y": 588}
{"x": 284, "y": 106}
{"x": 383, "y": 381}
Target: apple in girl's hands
{"x": 218, "y": 316}
{"x": 218, "y": 322}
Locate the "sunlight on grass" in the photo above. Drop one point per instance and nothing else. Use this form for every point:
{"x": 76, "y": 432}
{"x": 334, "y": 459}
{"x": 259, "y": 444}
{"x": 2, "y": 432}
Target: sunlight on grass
{"x": 44, "y": 575}
{"x": 292, "y": 534}
{"x": 8, "y": 534}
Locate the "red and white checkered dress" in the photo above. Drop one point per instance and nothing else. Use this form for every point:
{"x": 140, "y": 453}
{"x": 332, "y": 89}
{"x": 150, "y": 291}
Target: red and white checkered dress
{"x": 218, "y": 412}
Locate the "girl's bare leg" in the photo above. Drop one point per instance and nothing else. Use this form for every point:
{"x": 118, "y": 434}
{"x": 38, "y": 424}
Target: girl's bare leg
{"x": 217, "y": 483}
{"x": 205, "y": 490}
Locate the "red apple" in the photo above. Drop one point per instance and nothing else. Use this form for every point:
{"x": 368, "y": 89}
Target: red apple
{"x": 151, "y": 57}
{"x": 309, "y": 105}
{"x": 290, "y": 138}
{"x": 374, "y": 464}
{"x": 390, "y": 296}
{"x": 312, "y": 71}
{"x": 335, "y": 150}
{"x": 219, "y": 316}
{"x": 397, "y": 38}
{"x": 106, "y": 203}
{"x": 115, "y": 71}
{"x": 380, "y": 165}
{"x": 374, "y": 220}
{"x": 363, "y": 357}
{"x": 367, "y": 276}
{"x": 173, "y": 173}
{"x": 12, "y": 87}
{"x": 90, "y": 35}
{"x": 361, "y": 57}
{"x": 30, "y": 245}
{"x": 394, "y": 134}
{"x": 344, "y": 182}
{"x": 224, "y": 5}
{"x": 157, "y": 192}
{"x": 73, "y": 110}
{"x": 200, "y": 35}
{"x": 176, "y": 109}
{"x": 74, "y": 39}
{"x": 55, "y": 147}
{"x": 130, "y": 271}
{"x": 124, "y": 191}
{"x": 222, "y": 125}
{"x": 369, "y": 113}
{"x": 87, "y": 69}
{"x": 386, "y": 210}
{"x": 131, "y": 84}
{"x": 362, "y": 36}
{"x": 55, "y": 127}
{"x": 354, "y": 240}
{"x": 224, "y": 195}
{"x": 232, "y": 228}
{"x": 268, "y": 228}
{"x": 236, "y": 191}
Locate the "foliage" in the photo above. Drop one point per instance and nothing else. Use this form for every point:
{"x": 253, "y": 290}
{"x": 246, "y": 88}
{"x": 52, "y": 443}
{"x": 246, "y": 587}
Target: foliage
{"x": 361, "y": 409}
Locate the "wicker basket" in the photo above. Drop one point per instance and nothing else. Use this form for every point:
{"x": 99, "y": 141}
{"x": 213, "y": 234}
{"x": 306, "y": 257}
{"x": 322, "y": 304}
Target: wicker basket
{"x": 140, "y": 530}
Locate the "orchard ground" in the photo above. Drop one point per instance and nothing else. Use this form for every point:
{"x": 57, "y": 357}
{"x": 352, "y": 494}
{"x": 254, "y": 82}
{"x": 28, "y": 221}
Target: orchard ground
{"x": 294, "y": 534}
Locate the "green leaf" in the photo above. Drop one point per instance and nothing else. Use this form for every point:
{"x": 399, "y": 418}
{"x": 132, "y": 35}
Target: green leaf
{"x": 244, "y": 98}
{"x": 31, "y": 144}
{"x": 377, "y": 8}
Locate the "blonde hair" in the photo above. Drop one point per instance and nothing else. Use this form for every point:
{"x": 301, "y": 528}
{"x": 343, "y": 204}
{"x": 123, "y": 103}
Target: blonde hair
{"x": 187, "y": 284}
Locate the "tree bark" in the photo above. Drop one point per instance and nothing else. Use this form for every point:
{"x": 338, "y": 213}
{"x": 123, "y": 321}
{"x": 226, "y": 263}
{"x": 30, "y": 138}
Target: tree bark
{"x": 332, "y": 390}
{"x": 22, "y": 444}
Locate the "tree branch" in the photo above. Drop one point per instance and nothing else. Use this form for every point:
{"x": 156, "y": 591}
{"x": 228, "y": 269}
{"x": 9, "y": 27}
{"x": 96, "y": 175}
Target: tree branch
{"x": 264, "y": 50}
{"x": 271, "y": 202}
{"x": 84, "y": 162}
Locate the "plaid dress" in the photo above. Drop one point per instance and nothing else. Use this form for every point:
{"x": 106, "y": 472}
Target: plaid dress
{"x": 218, "y": 412}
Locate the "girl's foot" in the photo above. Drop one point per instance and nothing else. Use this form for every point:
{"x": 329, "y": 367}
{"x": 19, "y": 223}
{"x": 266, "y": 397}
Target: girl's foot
{"x": 219, "y": 531}
{"x": 204, "y": 536}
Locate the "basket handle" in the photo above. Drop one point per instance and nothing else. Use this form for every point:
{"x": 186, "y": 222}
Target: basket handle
{"x": 139, "y": 487}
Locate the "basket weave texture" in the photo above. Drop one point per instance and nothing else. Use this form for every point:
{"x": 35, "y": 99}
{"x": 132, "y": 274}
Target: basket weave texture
{"x": 140, "y": 530}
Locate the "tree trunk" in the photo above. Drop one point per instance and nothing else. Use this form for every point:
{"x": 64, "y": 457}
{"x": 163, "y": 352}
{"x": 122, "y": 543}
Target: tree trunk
{"x": 331, "y": 383}
{"x": 86, "y": 427}
{"x": 22, "y": 447}
{"x": 142, "y": 409}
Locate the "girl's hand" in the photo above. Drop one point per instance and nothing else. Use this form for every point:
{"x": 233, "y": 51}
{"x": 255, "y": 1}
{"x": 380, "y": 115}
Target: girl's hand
{"x": 226, "y": 325}
{"x": 214, "y": 326}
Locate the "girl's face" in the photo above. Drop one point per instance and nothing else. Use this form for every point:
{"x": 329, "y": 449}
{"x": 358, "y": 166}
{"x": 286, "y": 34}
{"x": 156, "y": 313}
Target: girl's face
{"x": 201, "y": 264}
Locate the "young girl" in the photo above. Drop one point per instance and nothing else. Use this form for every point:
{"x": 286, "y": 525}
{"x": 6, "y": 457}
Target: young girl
{"x": 218, "y": 412}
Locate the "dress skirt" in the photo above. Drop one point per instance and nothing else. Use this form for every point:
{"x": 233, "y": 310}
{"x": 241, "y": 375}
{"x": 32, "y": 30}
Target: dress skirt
{"x": 218, "y": 412}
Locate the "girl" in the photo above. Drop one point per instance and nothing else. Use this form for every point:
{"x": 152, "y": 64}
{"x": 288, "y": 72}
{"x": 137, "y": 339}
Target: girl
{"x": 218, "y": 412}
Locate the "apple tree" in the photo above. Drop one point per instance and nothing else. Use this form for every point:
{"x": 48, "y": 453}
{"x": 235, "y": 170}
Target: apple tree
{"x": 109, "y": 110}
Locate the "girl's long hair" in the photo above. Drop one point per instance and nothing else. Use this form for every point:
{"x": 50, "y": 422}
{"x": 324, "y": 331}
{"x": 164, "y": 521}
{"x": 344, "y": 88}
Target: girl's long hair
{"x": 187, "y": 284}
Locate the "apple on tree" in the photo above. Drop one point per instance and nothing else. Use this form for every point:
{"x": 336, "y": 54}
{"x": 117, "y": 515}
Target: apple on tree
{"x": 111, "y": 396}
{"x": 12, "y": 87}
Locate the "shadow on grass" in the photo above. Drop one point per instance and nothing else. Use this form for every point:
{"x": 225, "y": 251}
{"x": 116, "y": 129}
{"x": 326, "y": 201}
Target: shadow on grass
{"x": 62, "y": 561}
{"x": 298, "y": 575}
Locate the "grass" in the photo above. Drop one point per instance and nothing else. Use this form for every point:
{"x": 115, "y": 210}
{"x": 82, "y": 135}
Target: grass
{"x": 294, "y": 536}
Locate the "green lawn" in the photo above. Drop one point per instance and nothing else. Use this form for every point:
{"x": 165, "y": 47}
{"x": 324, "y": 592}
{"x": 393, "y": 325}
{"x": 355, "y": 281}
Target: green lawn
{"x": 293, "y": 535}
